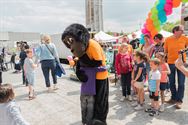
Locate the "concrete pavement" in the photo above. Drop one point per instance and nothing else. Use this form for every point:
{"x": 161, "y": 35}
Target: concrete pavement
{"x": 63, "y": 106}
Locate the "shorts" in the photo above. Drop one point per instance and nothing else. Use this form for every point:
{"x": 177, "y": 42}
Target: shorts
{"x": 163, "y": 86}
{"x": 139, "y": 85}
{"x": 152, "y": 96}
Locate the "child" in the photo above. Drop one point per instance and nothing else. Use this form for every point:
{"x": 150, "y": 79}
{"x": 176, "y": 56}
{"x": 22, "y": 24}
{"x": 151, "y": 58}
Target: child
{"x": 88, "y": 90}
{"x": 9, "y": 112}
{"x": 138, "y": 77}
{"x": 29, "y": 67}
{"x": 124, "y": 67}
{"x": 165, "y": 71}
{"x": 154, "y": 83}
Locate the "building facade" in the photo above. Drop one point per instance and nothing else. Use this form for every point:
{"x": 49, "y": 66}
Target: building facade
{"x": 94, "y": 15}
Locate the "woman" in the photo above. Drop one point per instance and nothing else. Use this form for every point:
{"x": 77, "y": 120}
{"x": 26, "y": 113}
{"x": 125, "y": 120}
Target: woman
{"x": 47, "y": 54}
{"x": 147, "y": 46}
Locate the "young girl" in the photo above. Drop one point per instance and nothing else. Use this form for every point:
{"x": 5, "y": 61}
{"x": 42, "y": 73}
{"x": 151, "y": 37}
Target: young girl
{"x": 165, "y": 71}
{"x": 9, "y": 112}
{"x": 29, "y": 67}
{"x": 124, "y": 67}
{"x": 138, "y": 77}
{"x": 154, "y": 83}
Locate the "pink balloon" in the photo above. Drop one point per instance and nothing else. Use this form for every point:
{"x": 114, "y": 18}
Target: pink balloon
{"x": 168, "y": 1}
{"x": 168, "y": 9}
{"x": 145, "y": 25}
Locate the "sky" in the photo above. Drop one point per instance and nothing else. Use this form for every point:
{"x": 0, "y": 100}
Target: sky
{"x": 53, "y": 16}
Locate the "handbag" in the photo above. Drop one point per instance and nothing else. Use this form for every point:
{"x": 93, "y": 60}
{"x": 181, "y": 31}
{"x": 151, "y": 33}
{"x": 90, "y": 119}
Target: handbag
{"x": 59, "y": 70}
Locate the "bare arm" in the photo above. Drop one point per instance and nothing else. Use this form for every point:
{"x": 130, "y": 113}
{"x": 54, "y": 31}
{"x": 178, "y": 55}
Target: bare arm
{"x": 139, "y": 74}
{"x": 157, "y": 88}
{"x": 180, "y": 65}
{"x": 168, "y": 69}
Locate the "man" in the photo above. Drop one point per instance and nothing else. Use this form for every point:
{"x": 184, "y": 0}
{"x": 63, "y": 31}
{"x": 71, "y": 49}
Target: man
{"x": 158, "y": 38}
{"x": 76, "y": 37}
{"x": 172, "y": 46}
{"x": 135, "y": 41}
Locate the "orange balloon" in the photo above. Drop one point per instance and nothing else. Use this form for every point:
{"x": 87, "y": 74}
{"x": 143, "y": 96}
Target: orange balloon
{"x": 176, "y": 3}
{"x": 149, "y": 27}
{"x": 149, "y": 21}
{"x": 153, "y": 32}
{"x": 149, "y": 14}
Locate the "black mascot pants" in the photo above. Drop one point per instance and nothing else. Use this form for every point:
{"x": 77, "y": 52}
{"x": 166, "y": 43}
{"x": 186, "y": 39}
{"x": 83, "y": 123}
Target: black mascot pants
{"x": 101, "y": 100}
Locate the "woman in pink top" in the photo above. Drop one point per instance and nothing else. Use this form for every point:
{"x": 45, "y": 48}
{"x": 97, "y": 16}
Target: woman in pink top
{"x": 165, "y": 70}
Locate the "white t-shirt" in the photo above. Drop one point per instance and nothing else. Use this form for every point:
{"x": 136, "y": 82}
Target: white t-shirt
{"x": 153, "y": 77}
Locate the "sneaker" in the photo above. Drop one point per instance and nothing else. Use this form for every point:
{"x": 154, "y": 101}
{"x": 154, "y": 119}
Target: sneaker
{"x": 167, "y": 93}
{"x": 139, "y": 107}
{"x": 130, "y": 98}
{"x": 161, "y": 108}
{"x": 122, "y": 99}
{"x": 149, "y": 110}
{"x": 171, "y": 101}
{"x": 135, "y": 98}
{"x": 178, "y": 105}
{"x": 134, "y": 104}
{"x": 55, "y": 87}
{"x": 49, "y": 90}
{"x": 153, "y": 113}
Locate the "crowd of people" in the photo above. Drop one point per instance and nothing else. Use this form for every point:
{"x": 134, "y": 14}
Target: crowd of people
{"x": 153, "y": 64}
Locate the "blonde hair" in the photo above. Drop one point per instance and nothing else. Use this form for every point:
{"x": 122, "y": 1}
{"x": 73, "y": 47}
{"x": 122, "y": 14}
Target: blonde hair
{"x": 46, "y": 38}
{"x": 156, "y": 61}
{"x": 122, "y": 46}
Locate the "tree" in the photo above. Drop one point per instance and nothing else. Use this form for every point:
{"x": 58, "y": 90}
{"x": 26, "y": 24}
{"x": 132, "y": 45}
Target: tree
{"x": 168, "y": 26}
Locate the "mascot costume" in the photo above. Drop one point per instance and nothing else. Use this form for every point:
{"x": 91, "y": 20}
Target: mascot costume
{"x": 77, "y": 38}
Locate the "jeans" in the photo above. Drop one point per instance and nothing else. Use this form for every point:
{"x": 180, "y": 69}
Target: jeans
{"x": 0, "y": 77}
{"x": 46, "y": 66}
{"x": 87, "y": 108}
{"x": 126, "y": 83}
{"x": 24, "y": 80}
{"x": 177, "y": 94}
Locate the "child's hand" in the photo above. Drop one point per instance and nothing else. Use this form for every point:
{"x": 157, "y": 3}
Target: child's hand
{"x": 119, "y": 76}
{"x": 156, "y": 93}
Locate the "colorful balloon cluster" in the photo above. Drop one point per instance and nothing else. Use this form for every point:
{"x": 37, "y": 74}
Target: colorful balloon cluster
{"x": 158, "y": 16}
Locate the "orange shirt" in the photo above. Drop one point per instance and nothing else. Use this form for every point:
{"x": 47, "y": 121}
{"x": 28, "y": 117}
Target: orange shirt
{"x": 173, "y": 45}
{"x": 95, "y": 51}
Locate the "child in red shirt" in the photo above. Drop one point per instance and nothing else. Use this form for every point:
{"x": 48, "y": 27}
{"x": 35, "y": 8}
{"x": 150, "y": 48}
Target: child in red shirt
{"x": 124, "y": 68}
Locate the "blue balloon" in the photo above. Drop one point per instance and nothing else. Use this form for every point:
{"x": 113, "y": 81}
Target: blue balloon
{"x": 162, "y": 16}
{"x": 160, "y": 6}
{"x": 142, "y": 41}
{"x": 162, "y": 1}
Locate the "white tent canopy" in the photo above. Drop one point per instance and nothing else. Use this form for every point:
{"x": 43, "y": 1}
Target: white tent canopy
{"x": 138, "y": 34}
{"x": 103, "y": 37}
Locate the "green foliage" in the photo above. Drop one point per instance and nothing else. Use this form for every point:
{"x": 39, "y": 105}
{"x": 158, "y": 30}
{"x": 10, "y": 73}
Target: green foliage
{"x": 109, "y": 32}
{"x": 168, "y": 26}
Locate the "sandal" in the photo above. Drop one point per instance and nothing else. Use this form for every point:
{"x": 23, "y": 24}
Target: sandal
{"x": 149, "y": 110}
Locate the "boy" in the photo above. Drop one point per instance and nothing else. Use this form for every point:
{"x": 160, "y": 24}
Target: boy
{"x": 154, "y": 83}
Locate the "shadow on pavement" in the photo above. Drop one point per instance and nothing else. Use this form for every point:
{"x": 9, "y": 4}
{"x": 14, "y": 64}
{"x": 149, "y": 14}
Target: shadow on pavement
{"x": 25, "y": 96}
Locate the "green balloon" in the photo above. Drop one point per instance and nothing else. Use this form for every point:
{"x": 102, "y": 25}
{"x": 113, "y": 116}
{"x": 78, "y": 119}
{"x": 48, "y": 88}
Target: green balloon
{"x": 154, "y": 17}
{"x": 158, "y": 28}
{"x": 156, "y": 23}
{"x": 184, "y": 1}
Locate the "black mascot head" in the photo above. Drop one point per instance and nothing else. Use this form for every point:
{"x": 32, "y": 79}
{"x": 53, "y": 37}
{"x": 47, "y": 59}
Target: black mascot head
{"x": 76, "y": 38}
